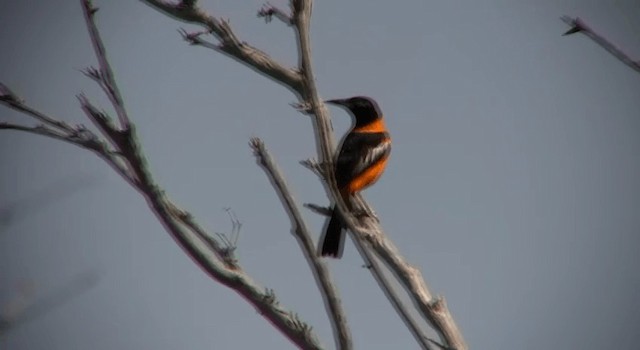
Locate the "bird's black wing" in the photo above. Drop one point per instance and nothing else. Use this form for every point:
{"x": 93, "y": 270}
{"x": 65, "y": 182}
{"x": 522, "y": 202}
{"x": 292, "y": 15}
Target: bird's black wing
{"x": 359, "y": 151}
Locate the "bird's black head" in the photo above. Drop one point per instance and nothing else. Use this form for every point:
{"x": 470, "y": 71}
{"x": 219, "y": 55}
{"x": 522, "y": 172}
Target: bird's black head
{"x": 363, "y": 108}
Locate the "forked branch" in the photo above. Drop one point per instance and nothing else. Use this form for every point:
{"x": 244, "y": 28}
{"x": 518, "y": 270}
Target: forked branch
{"x": 190, "y": 12}
{"x": 122, "y": 151}
{"x": 368, "y": 233}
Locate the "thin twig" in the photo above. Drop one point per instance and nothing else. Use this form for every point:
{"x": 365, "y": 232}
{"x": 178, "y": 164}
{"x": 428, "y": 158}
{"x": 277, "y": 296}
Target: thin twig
{"x": 579, "y": 26}
{"x": 13, "y": 101}
{"x": 229, "y": 42}
{"x": 107, "y": 78}
{"x": 303, "y": 236}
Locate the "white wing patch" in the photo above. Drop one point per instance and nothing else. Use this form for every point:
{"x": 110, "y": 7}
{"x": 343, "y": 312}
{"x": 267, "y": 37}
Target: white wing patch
{"x": 375, "y": 154}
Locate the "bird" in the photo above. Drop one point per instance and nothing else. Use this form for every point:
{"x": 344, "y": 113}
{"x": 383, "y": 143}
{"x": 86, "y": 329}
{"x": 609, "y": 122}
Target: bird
{"x": 359, "y": 163}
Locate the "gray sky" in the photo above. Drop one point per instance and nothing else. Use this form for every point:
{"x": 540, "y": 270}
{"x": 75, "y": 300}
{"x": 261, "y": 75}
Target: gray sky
{"x": 513, "y": 182}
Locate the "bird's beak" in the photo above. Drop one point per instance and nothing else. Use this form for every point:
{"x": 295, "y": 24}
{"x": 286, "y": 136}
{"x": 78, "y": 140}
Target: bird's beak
{"x": 338, "y": 102}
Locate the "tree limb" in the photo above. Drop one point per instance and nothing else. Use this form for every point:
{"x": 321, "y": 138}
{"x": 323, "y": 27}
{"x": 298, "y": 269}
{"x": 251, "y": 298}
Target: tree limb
{"x": 579, "y": 26}
{"x": 178, "y": 223}
{"x": 411, "y": 279}
{"x": 302, "y": 234}
{"x": 385, "y": 284}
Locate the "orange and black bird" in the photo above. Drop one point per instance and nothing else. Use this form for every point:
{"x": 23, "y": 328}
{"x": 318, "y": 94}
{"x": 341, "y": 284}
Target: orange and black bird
{"x": 359, "y": 163}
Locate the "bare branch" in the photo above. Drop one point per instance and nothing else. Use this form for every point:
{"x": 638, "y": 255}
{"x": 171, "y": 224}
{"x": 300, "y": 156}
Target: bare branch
{"x": 433, "y": 310}
{"x": 314, "y": 166}
{"x": 229, "y": 43}
{"x": 178, "y": 223}
{"x": 579, "y": 26}
{"x": 396, "y": 301}
{"x": 268, "y": 11}
{"x": 43, "y": 131}
{"x": 9, "y": 99}
{"x": 198, "y": 248}
{"x": 106, "y": 77}
{"x": 224, "y": 253}
{"x": 80, "y": 137}
{"x": 409, "y": 277}
{"x": 303, "y": 236}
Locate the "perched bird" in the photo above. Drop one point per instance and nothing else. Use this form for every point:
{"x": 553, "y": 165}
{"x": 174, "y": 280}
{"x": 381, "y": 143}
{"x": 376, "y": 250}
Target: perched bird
{"x": 359, "y": 163}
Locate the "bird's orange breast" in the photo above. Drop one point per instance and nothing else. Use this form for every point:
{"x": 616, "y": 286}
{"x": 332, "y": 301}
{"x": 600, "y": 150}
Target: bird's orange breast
{"x": 367, "y": 177}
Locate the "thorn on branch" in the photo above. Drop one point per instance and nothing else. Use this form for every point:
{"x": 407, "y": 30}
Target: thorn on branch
{"x": 302, "y": 107}
{"x": 91, "y": 10}
{"x": 230, "y": 243}
{"x": 268, "y": 11}
{"x": 580, "y": 26}
{"x": 93, "y": 73}
{"x": 257, "y": 145}
{"x": 314, "y": 166}
{"x": 324, "y": 211}
{"x": 298, "y": 323}
{"x": 270, "y": 297}
{"x": 81, "y": 133}
{"x": 193, "y": 38}
{"x": 575, "y": 23}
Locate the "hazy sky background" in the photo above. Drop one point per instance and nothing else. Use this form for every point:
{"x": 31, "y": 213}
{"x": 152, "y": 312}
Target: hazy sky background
{"x": 513, "y": 183}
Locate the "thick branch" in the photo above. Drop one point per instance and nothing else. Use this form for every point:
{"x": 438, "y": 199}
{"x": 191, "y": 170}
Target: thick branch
{"x": 229, "y": 43}
{"x": 579, "y": 26}
{"x": 303, "y": 236}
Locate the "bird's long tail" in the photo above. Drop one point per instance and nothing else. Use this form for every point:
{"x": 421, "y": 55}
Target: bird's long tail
{"x": 333, "y": 241}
